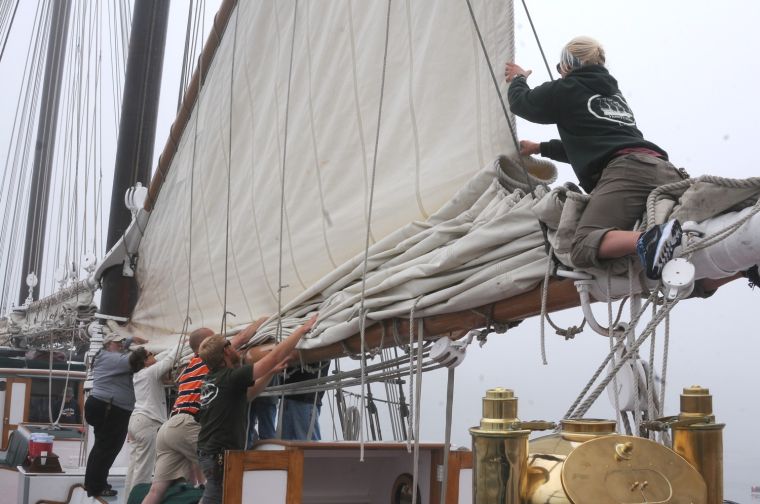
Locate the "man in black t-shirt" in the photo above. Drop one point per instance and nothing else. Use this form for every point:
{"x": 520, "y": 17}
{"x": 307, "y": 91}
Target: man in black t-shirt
{"x": 224, "y": 401}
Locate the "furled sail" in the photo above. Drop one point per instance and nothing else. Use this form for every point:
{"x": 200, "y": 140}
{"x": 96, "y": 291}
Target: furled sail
{"x": 273, "y": 175}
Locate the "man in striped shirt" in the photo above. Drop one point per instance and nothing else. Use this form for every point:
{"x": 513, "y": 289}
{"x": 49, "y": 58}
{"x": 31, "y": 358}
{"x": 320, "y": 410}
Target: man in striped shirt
{"x": 177, "y": 440}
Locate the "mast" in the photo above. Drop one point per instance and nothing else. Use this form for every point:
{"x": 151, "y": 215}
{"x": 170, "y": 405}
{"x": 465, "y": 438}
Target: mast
{"x": 36, "y": 219}
{"x": 137, "y": 129}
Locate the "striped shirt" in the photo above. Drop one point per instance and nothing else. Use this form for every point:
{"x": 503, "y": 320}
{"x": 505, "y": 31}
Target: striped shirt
{"x": 189, "y": 387}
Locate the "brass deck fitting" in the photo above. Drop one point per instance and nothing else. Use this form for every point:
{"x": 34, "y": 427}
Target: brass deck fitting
{"x": 698, "y": 439}
{"x": 584, "y": 429}
{"x": 499, "y": 451}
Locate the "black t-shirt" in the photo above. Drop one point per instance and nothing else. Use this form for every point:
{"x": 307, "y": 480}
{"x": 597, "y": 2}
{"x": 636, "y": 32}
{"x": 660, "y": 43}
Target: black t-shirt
{"x": 302, "y": 375}
{"x": 224, "y": 408}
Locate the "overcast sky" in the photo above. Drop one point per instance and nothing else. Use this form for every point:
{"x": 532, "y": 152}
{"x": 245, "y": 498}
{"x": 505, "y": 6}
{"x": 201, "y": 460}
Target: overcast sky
{"x": 689, "y": 69}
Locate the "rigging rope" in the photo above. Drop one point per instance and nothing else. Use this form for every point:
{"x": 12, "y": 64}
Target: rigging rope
{"x": 223, "y": 330}
{"x": 571, "y": 410}
{"x": 512, "y": 129}
{"x": 188, "y": 320}
{"x": 663, "y": 374}
{"x": 544, "y": 297}
{"x": 611, "y": 339}
{"x": 19, "y": 149}
{"x": 417, "y": 401}
{"x": 8, "y": 30}
{"x": 668, "y": 306}
{"x": 362, "y": 312}
{"x": 447, "y": 435}
{"x": 652, "y": 411}
{"x": 513, "y": 133}
{"x": 538, "y": 41}
{"x": 280, "y": 285}
{"x": 75, "y": 184}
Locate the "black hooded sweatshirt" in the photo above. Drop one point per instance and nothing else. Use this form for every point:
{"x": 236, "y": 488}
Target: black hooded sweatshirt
{"x": 592, "y": 117}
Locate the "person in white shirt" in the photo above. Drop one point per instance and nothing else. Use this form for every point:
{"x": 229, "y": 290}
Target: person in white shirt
{"x": 149, "y": 414}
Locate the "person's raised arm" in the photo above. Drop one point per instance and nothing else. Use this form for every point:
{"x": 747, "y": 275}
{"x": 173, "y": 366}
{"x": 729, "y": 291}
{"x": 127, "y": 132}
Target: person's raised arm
{"x": 165, "y": 360}
{"x": 535, "y": 105}
{"x": 282, "y": 350}
{"x": 263, "y": 382}
{"x": 137, "y": 340}
{"x": 246, "y": 334}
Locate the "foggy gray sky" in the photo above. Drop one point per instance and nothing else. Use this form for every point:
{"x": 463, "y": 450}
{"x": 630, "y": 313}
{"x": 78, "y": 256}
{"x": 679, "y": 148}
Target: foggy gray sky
{"x": 689, "y": 70}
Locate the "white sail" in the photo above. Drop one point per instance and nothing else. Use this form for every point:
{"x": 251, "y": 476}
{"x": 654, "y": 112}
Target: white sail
{"x": 262, "y": 126}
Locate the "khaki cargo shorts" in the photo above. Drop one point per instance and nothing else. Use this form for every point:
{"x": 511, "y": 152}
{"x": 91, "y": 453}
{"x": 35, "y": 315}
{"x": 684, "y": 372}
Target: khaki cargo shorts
{"x": 618, "y": 201}
{"x": 176, "y": 448}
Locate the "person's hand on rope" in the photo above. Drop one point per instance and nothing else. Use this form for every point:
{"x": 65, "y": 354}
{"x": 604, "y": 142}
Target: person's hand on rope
{"x": 512, "y": 70}
{"x": 528, "y": 148}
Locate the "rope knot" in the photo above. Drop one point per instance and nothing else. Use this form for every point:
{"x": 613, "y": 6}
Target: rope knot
{"x": 483, "y": 337}
{"x": 570, "y": 332}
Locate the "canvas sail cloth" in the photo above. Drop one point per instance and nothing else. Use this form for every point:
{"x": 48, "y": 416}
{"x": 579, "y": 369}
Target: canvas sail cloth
{"x": 255, "y": 132}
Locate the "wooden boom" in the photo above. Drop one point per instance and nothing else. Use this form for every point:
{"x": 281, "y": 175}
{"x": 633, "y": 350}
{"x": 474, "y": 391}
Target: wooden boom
{"x": 562, "y": 295}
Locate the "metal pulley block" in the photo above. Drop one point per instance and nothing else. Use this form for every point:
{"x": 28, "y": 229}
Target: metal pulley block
{"x": 449, "y": 353}
{"x": 678, "y": 278}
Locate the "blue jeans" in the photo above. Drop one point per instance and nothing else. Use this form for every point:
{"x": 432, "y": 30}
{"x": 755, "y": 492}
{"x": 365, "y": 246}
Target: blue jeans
{"x": 261, "y": 419}
{"x": 296, "y": 418}
{"x": 213, "y": 470}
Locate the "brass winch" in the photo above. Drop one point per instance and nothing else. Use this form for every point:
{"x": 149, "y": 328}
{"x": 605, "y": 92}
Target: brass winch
{"x": 698, "y": 439}
{"x": 588, "y": 462}
{"x": 500, "y": 450}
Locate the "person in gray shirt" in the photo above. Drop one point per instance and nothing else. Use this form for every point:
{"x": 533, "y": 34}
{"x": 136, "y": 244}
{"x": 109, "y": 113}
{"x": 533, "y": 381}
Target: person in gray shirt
{"x": 108, "y": 410}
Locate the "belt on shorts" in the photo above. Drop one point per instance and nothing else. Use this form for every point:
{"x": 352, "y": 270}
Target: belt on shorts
{"x": 177, "y": 413}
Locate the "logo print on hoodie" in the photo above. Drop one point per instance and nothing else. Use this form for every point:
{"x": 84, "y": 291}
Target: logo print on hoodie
{"x": 611, "y": 108}
{"x": 208, "y": 393}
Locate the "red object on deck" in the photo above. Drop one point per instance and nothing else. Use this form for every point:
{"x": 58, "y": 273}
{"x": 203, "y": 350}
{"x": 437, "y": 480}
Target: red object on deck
{"x": 37, "y": 447}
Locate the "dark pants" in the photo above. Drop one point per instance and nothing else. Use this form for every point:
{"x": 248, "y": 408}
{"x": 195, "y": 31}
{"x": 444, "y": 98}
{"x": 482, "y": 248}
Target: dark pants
{"x": 618, "y": 201}
{"x": 212, "y": 465}
{"x": 110, "y": 424}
